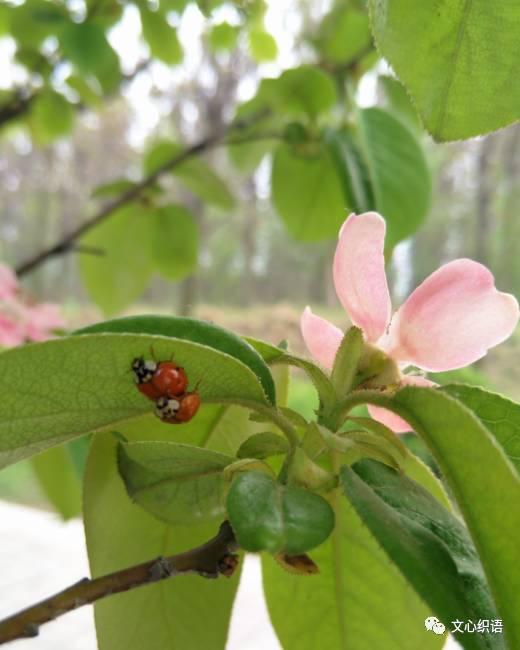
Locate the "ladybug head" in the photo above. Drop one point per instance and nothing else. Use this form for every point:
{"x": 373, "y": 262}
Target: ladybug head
{"x": 166, "y": 407}
{"x": 143, "y": 370}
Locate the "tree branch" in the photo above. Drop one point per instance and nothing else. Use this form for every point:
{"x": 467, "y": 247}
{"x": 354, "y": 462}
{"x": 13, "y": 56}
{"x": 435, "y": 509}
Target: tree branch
{"x": 66, "y": 244}
{"x": 215, "y": 557}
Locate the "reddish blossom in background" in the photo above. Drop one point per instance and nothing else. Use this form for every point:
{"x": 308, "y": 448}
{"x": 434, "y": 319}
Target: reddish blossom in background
{"x": 21, "y": 320}
{"x": 448, "y": 322}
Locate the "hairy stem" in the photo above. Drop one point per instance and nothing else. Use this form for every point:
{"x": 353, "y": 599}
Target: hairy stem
{"x": 215, "y": 557}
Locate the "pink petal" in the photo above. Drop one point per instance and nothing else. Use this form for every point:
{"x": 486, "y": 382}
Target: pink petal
{"x": 452, "y": 318}
{"x": 391, "y": 420}
{"x": 321, "y": 337}
{"x": 11, "y": 332}
{"x": 359, "y": 273}
{"x": 8, "y": 282}
{"x": 41, "y": 320}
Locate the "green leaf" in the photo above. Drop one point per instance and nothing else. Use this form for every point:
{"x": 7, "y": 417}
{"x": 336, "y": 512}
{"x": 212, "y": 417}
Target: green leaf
{"x": 195, "y": 174}
{"x": 357, "y": 601}
{"x": 160, "y": 36}
{"x": 85, "y": 385}
{"x": 302, "y": 91}
{"x": 347, "y": 360}
{"x": 113, "y": 188}
{"x": 190, "y": 329}
{"x": 398, "y": 101}
{"x": 86, "y": 93}
{"x": 120, "y": 274}
{"x": 59, "y": 480}
{"x": 307, "y": 193}
{"x": 398, "y": 173}
{"x": 175, "y": 243}
{"x": 86, "y": 46}
{"x": 267, "y": 516}
{"x": 343, "y": 34}
{"x": 51, "y": 116}
{"x": 32, "y": 22}
{"x": 177, "y": 483}
{"x": 499, "y": 415}
{"x": 461, "y": 85}
{"x": 351, "y": 169}
{"x": 223, "y": 37}
{"x": 120, "y": 534}
{"x": 429, "y": 545}
{"x": 262, "y": 45}
{"x": 484, "y": 483}
{"x": 262, "y": 445}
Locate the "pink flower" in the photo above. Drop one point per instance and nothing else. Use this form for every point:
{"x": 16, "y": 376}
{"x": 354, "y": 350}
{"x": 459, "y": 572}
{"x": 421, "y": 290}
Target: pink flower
{"x": 40, "y": 321}
{"x": 448, "y": 322}
{"x": 8, "y": 283}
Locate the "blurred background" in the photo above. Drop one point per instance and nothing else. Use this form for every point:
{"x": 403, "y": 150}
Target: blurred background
{"x": 73, "y": 134}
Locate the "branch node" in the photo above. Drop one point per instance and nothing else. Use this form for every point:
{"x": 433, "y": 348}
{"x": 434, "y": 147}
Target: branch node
{"x": 160, "y": 569}
{"x": 228, "y": 564}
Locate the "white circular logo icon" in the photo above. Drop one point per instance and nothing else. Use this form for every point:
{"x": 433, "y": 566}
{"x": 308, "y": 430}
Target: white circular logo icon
{"x": 432, "y": 624}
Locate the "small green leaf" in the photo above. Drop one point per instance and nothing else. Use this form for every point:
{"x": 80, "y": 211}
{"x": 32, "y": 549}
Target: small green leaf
{"x": 223, "y": 37}
{"x": 87, "y": 94}
{"x": 191, "y": 329}
{"x": 500, "y": 416}
{"x": 429, "y": 545}
{"x": 267, "y": 516}
{"x": 180, "y": 484}
{"x": 119, "y": 534}
{"x": 347, "y": 360}
{"x": 343, "y": 34}
{"x": 262, "y": 445}
{"x": 160, "y": 36}
{"x": 304, "y": 91}
{"x": 86, "y": 46}
{"x": 120, "y": 274}
{"x": 113, "y": 188}
{"x": 262, "y": 45}
{"x": 442, "y": 53}
{"x": 307, "y": 193}
{"x": 85, "y": 385}
{"x": 195, "y": 174}
{"x": 51, "y": 116}
{"x": 398, "y": 173}
{"x": 175, "y": 241}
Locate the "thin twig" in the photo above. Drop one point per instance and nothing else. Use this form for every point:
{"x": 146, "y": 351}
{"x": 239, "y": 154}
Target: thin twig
{"x": 64, "y": 245}
{"x": 214, "y": 558}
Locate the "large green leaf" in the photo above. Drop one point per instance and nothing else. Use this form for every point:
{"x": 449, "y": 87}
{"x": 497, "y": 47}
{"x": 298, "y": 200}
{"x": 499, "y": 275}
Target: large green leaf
{"x": 307, "y": 193}
{"x": 190, "y": 329}
{"x": 358, "y": 601}
{"x": 195, "y": 174}
{"x": 175, "y": 241}
{"x": 160, "y": 36}
{"x": 59, "y": 480}
{"x": 178, "y": 483}
{"x": 445, "y": 55}
{"x": 484, "y": 483}
{"x": 84, "y": 384}
{"x": 430, "y": 546}
{"x": 121, "y": 272}
{"x": 500, "y": 416}
{"x": 119, "y": 533}
{"x": 398, "y": 172}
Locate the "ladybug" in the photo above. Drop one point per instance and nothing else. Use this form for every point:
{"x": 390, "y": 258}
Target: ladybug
{"x": 156, "y": 379}
{"x": 176, "y": 410}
